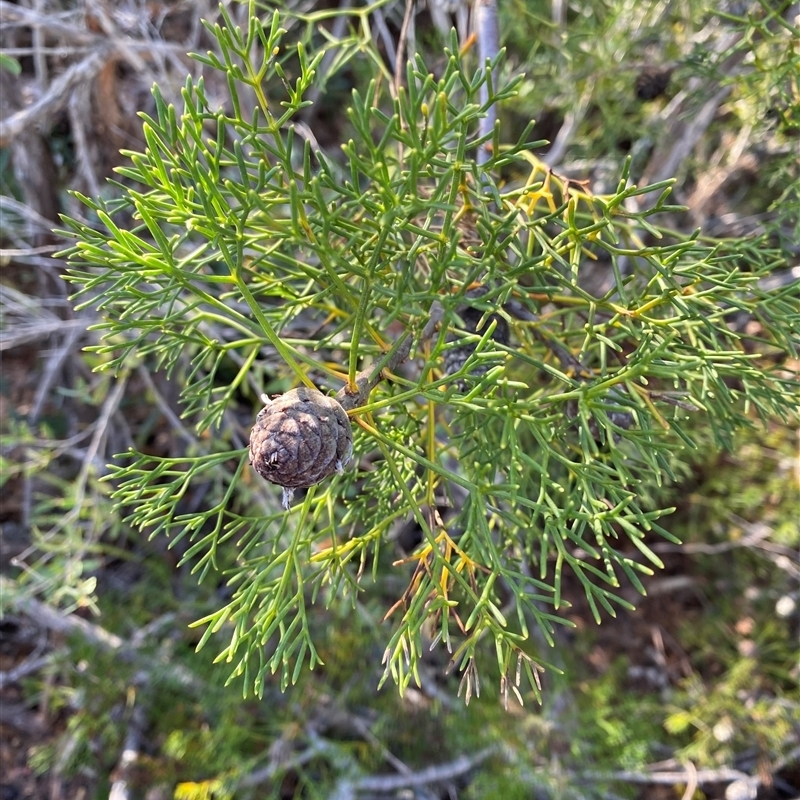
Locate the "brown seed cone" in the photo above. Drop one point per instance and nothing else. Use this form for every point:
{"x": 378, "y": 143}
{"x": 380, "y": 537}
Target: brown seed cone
{"x": 299, "y": 439}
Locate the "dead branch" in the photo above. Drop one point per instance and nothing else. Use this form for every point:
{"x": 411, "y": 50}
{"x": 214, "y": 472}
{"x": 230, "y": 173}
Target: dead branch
{"x": 25, "y": 668}
{"x": 134, "y": 737}
{"x": 668, "y": 777}
{"x": 54, "y": 364}
{"x": 171, "y": 417}
{"x": 50, "y": 619}
{"x": 318, "y": 746}
{"x": 68, "y": 625}
{"x": 54, "y": 24}
{"x": 572, "y": 120}
{"x": 665, "y": 167}
{"x": 438, "y": 774}
{"x": 20, "y": 717}
{"x": 79, "y": 110}
{"x": 487, "y": 30}
{"x": 55, "y": 98}
{"x": 401, "y": 46}
{"x": 368, "y": 379}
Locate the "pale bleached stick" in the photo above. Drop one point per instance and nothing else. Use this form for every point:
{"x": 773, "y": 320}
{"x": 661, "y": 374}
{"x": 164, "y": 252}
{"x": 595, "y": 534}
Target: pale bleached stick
{"x": 56, "y": 97}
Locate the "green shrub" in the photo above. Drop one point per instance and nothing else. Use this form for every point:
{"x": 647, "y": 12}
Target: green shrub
{"x": 240, "y": 258}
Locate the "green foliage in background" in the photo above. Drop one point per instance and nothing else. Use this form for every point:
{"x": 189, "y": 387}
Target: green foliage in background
{"x": 239, "y": 258}
{"x": 744, "y": 693}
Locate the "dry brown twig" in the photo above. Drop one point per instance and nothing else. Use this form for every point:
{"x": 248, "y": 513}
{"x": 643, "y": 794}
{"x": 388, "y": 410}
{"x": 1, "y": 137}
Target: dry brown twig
{"x": 384, "y": 35}
{"x": 437, "y": 774}
{"x": 572, "y": 120}
{"x": 28, "y": 667}
{"x": 172, "y": 418}
{"x": 757, "y": 536}
{"x": 317, "y": 747}
{"x": 30, "y": 216}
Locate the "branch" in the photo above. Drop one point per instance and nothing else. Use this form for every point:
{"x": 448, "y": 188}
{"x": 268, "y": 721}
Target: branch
{"x": 680, "y": 148}
{"x": 55, "y": 99}
{"x": 69, "y": 625}
{"x": 565, "y": 358}
{"x": 572, "y": 120}
{"x": 368, "y": 379}
{"x": 401, "y": 46}
{"x": 487, "y": 29}
{"x": 54, "y": 24}
{"x": 74, "y": 330}
{"x": 669, "y": 777}
{"x": 278, "y": 764}
{"x": 125, "y": 769}
{"x": 22, "y": 670}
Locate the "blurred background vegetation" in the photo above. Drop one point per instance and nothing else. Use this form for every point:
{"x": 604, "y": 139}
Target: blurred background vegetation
{"x": 694, "y": 694}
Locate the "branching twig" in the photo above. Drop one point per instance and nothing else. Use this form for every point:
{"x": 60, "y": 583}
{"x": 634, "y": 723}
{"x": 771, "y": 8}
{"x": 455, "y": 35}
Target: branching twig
{"x": 757, "y": 537}
{"x": 28, "y": 333}
{"x": 52, "y": 23}
{"x": 54, "y": 364}
{"x": 22, "y": 670}
{"x": 28, "y": 319}
{"x": 31, "y": 217}
{"x": 385, "y": 36}
{"x": 108, "y": 410}
{"x": 565, "y": 358}
{"x": 109, "y": 27}
{"x": 171, "y": 417}
{"x": 55, "y": 99}
{"x": 680, "y": 149}
{"x": 48, "y": 618}
{"x": 318, "y": 746}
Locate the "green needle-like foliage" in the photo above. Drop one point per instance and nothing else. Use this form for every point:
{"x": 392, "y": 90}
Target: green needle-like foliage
{"x": 239, "y": 257}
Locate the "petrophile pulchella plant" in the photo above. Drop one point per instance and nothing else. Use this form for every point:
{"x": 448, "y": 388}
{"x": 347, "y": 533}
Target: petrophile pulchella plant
{"x": 520, "y": 361}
